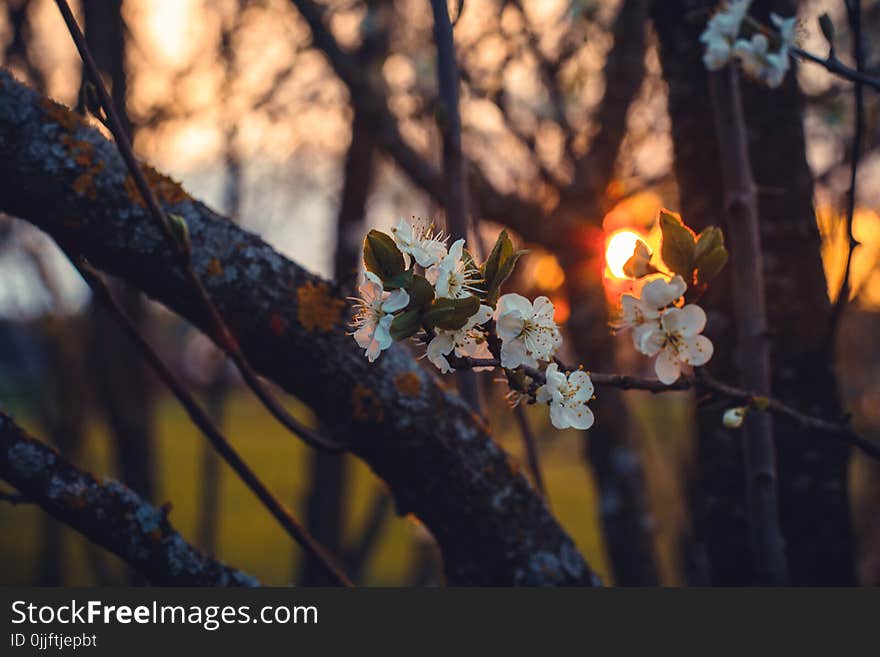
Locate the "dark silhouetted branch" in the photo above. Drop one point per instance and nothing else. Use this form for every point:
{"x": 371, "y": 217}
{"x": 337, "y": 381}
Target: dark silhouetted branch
{"x": 201, "y": 419}
{"x": 108, "y": 513}
{"x": 750, "y": 313}
{"x": 854, "y": 13}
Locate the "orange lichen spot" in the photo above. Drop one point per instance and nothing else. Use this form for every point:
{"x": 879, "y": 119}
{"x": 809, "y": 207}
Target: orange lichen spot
{"x": 316, "y": 308}
{"x": 408, "y": 384}
{"x": 63, "y": 116}
{"x": 76, "y": 501}
{"x": 166, "y": 189}
{"x": 214, "y": 268}
{"x": 84, "y": 185}
{"x": 156, "y": 535}
{"x": 365, "y": 405}
{"x": 277, "y": 323}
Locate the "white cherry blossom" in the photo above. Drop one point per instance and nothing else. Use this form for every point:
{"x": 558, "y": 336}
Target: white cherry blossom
{"x": 720, "y": 32}
{"x": 642, "y": 315}
{"x": 375, "y": 314}
{"x": 760, "y": 64}
{"x": 451, "y": 276}
{"x": 527, "y": 330}
{"x": 417, "y": 239}
{"x": 568, "y": 397}
{"x": 466, "y": 341}
{"x": 786, "y": 27}
{"x": 677, "y": 341}
{"x": 717, "y": 51}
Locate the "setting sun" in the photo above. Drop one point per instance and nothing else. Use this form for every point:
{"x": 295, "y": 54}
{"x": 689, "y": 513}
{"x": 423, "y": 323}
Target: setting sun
{"x": 620, "y": 248}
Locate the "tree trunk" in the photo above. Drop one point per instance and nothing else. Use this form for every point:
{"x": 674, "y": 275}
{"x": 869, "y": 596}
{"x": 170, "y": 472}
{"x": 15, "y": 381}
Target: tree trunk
{"x": 124, "y": 385}
{"x": 814, "y": 509}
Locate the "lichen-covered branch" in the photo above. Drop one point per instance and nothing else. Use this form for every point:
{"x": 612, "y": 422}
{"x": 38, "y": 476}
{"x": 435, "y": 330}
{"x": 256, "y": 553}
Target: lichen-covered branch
{"x": 437, "y": 458}
{"x": 108, "y": 513}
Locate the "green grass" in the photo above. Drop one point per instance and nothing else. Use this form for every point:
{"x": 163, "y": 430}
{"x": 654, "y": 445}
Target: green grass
{"x": 248, "y": 537}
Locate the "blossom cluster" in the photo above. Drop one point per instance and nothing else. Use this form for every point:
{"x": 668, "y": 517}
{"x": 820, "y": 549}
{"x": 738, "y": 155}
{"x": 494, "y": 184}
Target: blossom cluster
{"x": 664, "y": 328}
{"x": 724, "y": 41}
{"x": 417, "y": 287}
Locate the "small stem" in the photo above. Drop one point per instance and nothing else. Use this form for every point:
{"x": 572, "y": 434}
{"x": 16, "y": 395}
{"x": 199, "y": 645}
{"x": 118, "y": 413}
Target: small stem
{"x": 201, "y": 419}
{"x": 703, "y": 381}
{"x": 854, "y": 14}
{"x": 531, "y": 449}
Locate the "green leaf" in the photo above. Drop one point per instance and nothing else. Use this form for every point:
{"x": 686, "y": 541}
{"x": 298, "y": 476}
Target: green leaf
{"x": 707, "y": 241}
{"x": 404, "y": 280}
{"x": 405, "y": 325}
{"x": 499, "y": 266}
{"x": 711, "y": 265}
{"x": 421, "y": 292}
{"x": 381, "y": 256}
{"x": 677, "y": 248}
{"x": 451, "y": 314}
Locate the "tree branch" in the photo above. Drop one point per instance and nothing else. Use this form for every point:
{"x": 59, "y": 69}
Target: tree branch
{"x": 741, "y": 206}
{"x": 438, "y": 460}
{"x": 854, "y": 14}
{"x": 108, "y": 513}
{"x": 218, "y": 441}
{"x": 701, "y": 380}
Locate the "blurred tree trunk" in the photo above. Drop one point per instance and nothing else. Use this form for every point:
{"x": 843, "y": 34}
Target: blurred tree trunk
{"x": 16, "y": 54}
{"x": 325, "y": 509}
{"x": 611, "y": 445}
{"x": 814, "y": 507}
{"x": 63, "y": 403}
{"x": 124, "y": 387}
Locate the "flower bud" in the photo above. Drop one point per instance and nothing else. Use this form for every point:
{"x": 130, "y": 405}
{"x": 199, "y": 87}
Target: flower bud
{"x": 733, "y": 417}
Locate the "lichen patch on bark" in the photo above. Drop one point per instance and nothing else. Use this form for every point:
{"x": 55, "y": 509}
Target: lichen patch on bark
{"x": 317, "y": 309}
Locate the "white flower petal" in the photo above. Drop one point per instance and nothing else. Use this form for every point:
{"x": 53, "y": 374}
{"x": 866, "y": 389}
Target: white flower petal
{"x": 651, "y": 341}
{"x": 696, "y": 351}
{"x": 513, "y": 354}
{"x": 659, "y": 293}
{"x": 543, "y": 309}
{"x": 558, "y": 416}
{"x": 580, "y": 380}
{"x": 514, "y": 302}
{"x": 667, "y": 367}
{"x": 509, "y": 325}
{"x": 397, "y": 300}
{"x": 579, "y": 417}
{"x": 687, "y": 321}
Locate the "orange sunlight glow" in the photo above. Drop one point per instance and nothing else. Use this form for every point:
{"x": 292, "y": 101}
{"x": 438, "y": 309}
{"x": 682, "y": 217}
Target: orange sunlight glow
{"x": 621, "y": 245}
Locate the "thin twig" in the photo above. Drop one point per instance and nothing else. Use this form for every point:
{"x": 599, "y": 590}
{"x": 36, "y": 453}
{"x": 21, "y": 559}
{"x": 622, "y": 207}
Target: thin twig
{"x": 221, "y": 333}
{"x": 835, "y": 66}
{"x": 700, "y": 381}
{"x": 449, "y": 122}
{"x": 854, "y": 14}
{"x": 531, "y": 449}
{"x": 201, "y": 419}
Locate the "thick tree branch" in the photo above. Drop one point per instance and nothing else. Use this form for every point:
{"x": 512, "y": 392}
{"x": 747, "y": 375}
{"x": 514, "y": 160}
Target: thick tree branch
{"x": 108, "y": 513}
{"x": 438, "y": 460}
